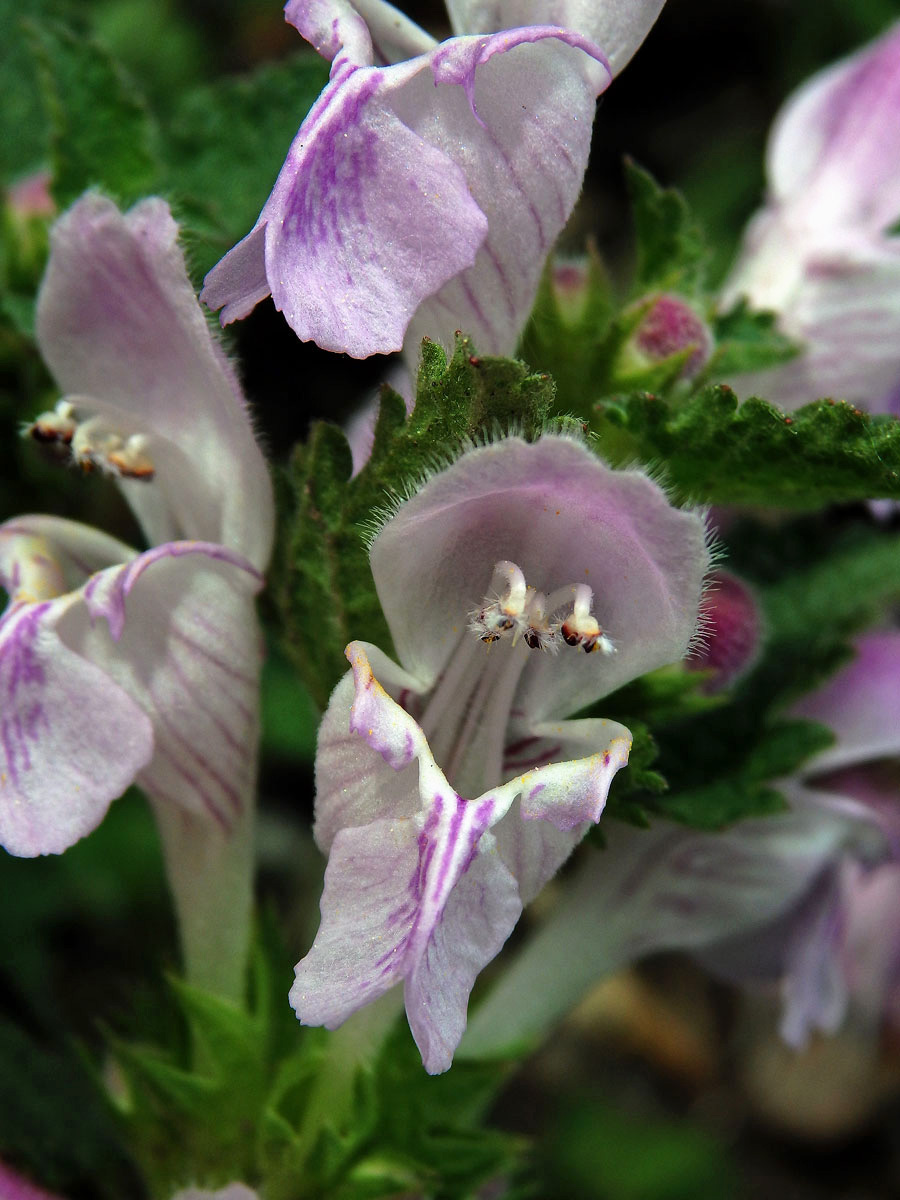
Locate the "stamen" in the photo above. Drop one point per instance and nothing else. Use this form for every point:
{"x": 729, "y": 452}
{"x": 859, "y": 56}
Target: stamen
{"x": 95, "y": 446}
{"x": 539, "y": 634}
{"x": 581, "y": 628}
{"x": 56, "y": 427}
{"x": 92, "y": 444}
{"x": 514, "y": 609}
{"x": 503, "y": 614}
{"x": 132, "y": 461}
{"x": 468, "y": 710}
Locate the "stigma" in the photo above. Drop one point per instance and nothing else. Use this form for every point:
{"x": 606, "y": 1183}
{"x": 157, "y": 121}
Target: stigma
{"x": 513, "y": 609}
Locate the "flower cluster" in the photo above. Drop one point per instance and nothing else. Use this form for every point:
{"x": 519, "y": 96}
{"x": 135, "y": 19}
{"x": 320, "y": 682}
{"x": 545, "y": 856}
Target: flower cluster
{"x": 524, "y": 581}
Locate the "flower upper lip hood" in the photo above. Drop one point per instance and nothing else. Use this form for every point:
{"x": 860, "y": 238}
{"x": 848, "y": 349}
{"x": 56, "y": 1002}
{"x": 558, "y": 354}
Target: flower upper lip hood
{"x": 119, "y": 326}
{"x": 562, "y": 516}
{"x": 451, "y": 788}
{"x": 821, "y": 253}
{"x": 115, "y": 665}
{"x": 423, "y": 196}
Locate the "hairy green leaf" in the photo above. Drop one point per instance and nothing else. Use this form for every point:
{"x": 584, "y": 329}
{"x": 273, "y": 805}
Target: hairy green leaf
{"x": 746, "y": 341}
{"x": 714, "y": 450}
{"x": 101, "y": 134}
{"x": 670, "y": 250}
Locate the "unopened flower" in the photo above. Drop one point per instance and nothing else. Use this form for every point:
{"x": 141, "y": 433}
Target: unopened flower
{"x": 118, "y": 666}
{"x": 521, "y": 584}
{"x": 731, "y": 631}
{"x": 822, "y": 254}
{"x": 669, "y": 326}
{"x": 429, "y": 181}
{"x": 13, "y": 1186}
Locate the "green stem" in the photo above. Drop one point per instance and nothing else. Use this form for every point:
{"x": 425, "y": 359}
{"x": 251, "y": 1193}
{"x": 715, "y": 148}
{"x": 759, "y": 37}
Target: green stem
{"x": 355, "y": 1045}
{"x": 210, "y": 873}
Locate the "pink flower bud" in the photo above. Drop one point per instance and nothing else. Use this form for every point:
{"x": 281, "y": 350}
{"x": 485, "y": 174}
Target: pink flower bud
{"x": 14, "y": 1187}
{"x": 669, "y": 326}
{"x": 730, "y": 616}
{"x": 30, "y": 196}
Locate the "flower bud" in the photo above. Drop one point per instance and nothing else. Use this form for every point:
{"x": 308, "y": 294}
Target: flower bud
{"x": 669, "y": 326}
{"x": 730, "y": 618}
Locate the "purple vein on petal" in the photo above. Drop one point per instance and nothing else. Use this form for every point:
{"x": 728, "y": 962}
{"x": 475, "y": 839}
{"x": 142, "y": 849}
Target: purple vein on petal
{"x": 475, "y": 305}
{"x": 177, "y": 763}
{"x": 226, "y": 667}
{"x": 495, "y": 262}
{"x": 197, "y": 698}
{"x": 228, "y": 790}
{"x": 20, "y": 667}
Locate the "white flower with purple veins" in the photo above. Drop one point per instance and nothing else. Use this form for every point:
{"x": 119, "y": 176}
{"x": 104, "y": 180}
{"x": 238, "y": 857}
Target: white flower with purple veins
{"x": 118, "y": 666}
{"x": 822, "y": 254}
{"x": 839, "y": 952}
{"x": 428, "y": 183}
{"x": 520, "y": 585}
{"x": 804, "y": 901}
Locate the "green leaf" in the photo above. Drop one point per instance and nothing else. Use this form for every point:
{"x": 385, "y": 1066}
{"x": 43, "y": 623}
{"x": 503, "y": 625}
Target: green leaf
{"x": 839, "y": 594}
{"x": 225, "y": 144}
{"x": 715, "y": 451}
{"x": 596, "y": 1152}
{"x": 746, "y": 341}
{"x": 745, "y": 791}
{"x": 323, "y": 585}
{"x": 672, "y": 691}
{"x": 567, "y": 333}
{"x": 192, "y": 1108}
{"x": 101, "y": 134}
{"x": 717, "y": 804}
{"x": 321, "y": 581}
{"x": 435, "y": 1125}
{"x": 24, "y": 130}
{"x": 786, "y": 747}
{"x": 671, "y": 253}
